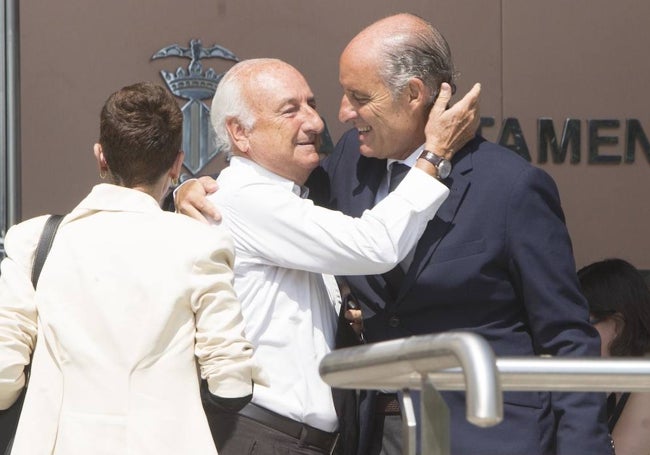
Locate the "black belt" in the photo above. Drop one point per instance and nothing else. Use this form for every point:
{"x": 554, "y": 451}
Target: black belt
{"x": 387, "y": 404}
{"x": 301, "y": 431}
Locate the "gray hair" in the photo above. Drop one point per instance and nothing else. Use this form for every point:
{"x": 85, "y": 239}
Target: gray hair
{"x": 423, "y": 53}
{"x": 229, "y": 102}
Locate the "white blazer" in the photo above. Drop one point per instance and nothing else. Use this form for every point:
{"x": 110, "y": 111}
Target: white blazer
{"x": 130, "y": 297}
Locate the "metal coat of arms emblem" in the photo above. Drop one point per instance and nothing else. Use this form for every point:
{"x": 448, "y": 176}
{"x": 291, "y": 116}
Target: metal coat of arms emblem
{"x": 195, "y": 85}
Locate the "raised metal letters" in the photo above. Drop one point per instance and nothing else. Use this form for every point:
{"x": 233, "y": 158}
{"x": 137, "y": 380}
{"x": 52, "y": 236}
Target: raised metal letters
{"x": 601, "y": 148}
{"x": 547, "y": 138}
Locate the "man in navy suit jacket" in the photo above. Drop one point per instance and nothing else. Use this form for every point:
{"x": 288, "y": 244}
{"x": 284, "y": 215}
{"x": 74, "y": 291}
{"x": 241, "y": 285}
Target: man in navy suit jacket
{"x": 496, "y": 260}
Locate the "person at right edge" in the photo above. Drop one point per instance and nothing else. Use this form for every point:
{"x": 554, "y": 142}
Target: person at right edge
{"x": 619, "y": 305}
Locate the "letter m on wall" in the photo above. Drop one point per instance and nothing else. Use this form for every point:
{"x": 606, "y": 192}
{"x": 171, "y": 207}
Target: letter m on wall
{"x": 548, "y": 139}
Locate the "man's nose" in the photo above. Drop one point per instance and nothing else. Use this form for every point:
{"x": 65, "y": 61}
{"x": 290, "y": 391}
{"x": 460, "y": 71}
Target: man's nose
{"x": 346, "y": 111}
{"x": 315, "y": 122}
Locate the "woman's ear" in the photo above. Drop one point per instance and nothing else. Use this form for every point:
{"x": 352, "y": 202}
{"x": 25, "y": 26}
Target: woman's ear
{"x": 619, "y": 323}
{"x": 238, "y": 135}
{"x": 175, "y": 171}
{"x": 101, "y": 161}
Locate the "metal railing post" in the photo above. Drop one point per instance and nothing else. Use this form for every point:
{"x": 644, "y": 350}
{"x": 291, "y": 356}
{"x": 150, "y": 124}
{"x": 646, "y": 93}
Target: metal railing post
{"x": 409, "y": 424}
{"x": 13, "y": 111}
{"x": 435, "y": 430}
{"x": 9, "y": 118}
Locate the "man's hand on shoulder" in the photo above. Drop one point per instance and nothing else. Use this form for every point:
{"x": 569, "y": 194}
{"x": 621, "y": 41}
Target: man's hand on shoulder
{"x": 191, "y": 199}
{"x": 448, "y": 130}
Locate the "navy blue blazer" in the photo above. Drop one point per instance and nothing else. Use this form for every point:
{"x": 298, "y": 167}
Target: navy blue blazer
{"x": 496, "y": 260}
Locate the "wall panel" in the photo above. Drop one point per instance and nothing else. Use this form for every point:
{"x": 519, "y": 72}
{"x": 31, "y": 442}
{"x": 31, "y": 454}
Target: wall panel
{"x": 581, "y": 59}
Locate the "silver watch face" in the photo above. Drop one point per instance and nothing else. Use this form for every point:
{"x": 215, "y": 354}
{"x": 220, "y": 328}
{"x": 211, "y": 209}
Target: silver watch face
{"x": 444, "y": 169}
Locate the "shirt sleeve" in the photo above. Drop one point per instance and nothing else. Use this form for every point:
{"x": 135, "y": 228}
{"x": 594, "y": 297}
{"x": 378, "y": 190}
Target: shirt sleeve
{"x": 277, "y": 227}
{"x": 18, "y": 315}
{"x": 544, "y": 269}
{"x": 224, "y": 355}
{"x": 544, "y": 273}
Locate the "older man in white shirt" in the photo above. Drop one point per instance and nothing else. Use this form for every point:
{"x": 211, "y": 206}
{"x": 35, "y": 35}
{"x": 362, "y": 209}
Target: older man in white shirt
{"x": 264, "y": 113}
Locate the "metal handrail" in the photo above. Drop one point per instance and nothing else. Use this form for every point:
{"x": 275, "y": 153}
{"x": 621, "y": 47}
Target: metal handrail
{"x": 579, "y": 374}
{"x": 401, "y": 363}
{"x": 408, "y": 362}
{"x": 425, "y": 363}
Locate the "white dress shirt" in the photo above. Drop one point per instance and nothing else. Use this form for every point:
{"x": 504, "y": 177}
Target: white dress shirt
{"x": 283, "y": 245}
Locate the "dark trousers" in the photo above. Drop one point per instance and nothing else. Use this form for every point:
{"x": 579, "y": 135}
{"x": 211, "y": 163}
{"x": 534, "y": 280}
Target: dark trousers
{"x": 387, "y": 435}
{"x": 381, "y": 424}
{"x": 235, "y": 434}
{"x": 9, "y": 423}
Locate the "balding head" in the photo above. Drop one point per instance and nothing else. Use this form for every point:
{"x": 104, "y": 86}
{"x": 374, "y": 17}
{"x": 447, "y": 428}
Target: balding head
{"x": 404, "y": 46}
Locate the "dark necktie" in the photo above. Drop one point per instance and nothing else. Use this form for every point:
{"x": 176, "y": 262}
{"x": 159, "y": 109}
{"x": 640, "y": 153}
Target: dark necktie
{"x": 397, "y": 173}
{"x": 395, "y": 276}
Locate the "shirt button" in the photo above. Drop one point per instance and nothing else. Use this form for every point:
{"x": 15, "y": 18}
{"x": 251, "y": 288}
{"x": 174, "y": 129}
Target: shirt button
{"x": 393, "y": 321}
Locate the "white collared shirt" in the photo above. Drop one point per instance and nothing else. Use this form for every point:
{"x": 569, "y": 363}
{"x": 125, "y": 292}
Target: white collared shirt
{"x": 382, "y": 192}
{"x": 283, "y": 245}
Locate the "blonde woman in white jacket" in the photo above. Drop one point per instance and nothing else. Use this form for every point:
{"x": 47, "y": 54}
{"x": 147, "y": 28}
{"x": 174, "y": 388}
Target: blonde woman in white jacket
{"x": 132, "y": 306}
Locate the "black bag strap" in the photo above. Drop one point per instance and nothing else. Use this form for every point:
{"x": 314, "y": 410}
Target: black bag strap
{"x": 44, "y": 245}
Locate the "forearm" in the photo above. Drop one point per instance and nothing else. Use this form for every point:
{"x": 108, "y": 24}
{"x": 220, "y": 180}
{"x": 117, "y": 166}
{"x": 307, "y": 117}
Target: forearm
{"x": 224, "y": 355}
{"x": 278, "y": 227}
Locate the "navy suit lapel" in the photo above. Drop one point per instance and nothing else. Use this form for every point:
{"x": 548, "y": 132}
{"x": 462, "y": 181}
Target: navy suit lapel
{"x": 368, "y": 177}
{"x": 370, "y": 172}
{"x": 437, "y": 228}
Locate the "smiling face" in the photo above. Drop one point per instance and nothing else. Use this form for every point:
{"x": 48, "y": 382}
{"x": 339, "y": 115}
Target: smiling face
{"x": 390, "y": 126}
{"x": 285, "y": 136}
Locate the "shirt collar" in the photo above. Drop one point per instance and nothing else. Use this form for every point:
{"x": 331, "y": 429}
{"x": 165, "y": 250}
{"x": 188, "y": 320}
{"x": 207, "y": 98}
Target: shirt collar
{"x": 239, "y": 162}
{"x": 410, "y": 160}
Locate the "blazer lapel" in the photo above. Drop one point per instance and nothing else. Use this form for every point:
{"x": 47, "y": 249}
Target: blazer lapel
{"x": 439, "y": 226}
{"x": 370, "y": 172}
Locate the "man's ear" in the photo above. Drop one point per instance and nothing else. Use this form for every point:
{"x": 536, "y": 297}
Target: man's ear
{"x": 418, "y": 94}
{"x": 238, "y": 134}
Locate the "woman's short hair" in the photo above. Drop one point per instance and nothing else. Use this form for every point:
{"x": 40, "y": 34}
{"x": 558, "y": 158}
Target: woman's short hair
{"x": 616, "y": 286}
{"x": 141, "y": 130}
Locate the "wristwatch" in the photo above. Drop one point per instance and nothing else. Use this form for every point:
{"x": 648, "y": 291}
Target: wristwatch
{"x": 443, "y": 165}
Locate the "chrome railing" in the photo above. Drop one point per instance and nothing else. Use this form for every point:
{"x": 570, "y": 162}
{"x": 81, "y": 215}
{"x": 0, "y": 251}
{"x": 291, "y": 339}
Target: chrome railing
{"x": 407, "y": 363}
{"x": 464, "y": 361}
{"x": 560, "y": 374}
